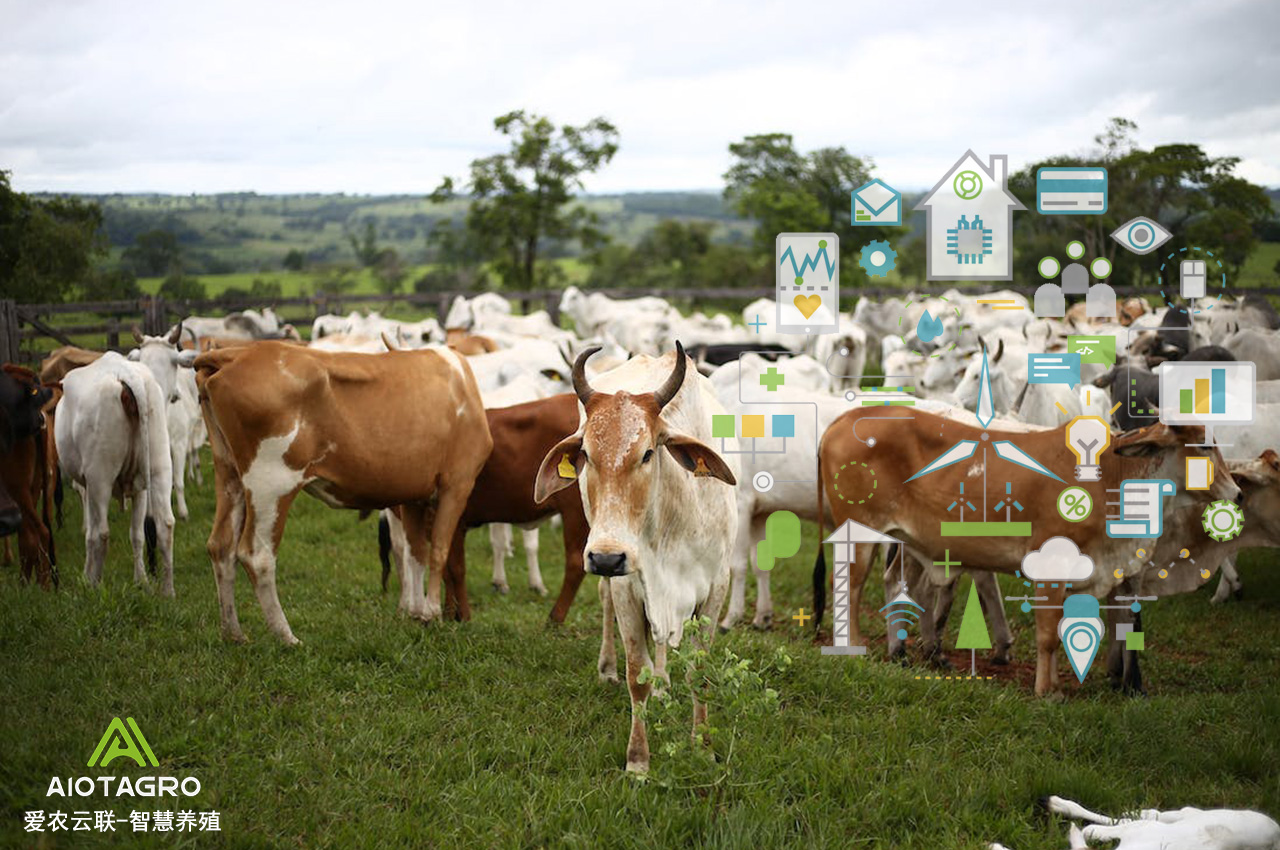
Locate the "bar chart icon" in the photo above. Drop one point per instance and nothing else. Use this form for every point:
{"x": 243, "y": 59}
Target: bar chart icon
{"x": 1207, "y": 393}
{"x": 1209, "y": 396}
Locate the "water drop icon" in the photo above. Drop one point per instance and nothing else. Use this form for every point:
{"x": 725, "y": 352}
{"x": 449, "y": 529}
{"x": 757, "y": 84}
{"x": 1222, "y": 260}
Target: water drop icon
{"x": 928, "y": 328}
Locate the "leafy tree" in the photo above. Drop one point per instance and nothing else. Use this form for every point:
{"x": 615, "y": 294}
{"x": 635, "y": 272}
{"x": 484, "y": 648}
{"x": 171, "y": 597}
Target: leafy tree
{"x": 114, "y": 284}
{"x": 787, "y": 191}
{"x": 521, "y": 198}
{"x": 336, "y": 279}
{"x": 366, "y": 248}
{"x": 47, "y": 247}
{"x": 389, "y": 271}
{"x": 154, "y": 252}
{"x": 182, "y": 287}
{"x": 295, "y": 260}
{"x": 1195, "y": 197}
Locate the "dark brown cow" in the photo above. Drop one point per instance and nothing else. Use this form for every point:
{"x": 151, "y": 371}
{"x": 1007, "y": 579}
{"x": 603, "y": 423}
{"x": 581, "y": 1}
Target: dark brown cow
{"x": 364, "y": 431}
{"x": 24, "y": 478}
{"x": 522, "y": 436}
{"x": 57, "y": 363}
{"x": 911, "y": 510}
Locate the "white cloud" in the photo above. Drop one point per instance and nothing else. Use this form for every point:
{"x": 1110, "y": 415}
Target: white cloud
{"x": 111, "y": 95}
{"x": 1059, "y": 559}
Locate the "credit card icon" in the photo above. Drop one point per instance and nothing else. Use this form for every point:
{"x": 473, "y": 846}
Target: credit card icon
{"x": 1071, "y": 191}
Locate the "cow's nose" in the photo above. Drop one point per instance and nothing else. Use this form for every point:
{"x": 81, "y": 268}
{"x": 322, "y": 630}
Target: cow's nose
{"x": 608, "y": 565}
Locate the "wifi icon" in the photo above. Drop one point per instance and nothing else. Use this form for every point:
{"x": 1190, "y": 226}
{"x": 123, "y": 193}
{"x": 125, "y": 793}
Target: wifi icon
{"x": 903, "y": 611}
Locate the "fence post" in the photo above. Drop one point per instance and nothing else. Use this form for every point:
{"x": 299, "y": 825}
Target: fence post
{"x": 9, "y": 336}
{"x": 113, "y": 334}
{"x": 154, "y": 318}
{"x": 442, "y": 308}
{"x": 553, "y": 306}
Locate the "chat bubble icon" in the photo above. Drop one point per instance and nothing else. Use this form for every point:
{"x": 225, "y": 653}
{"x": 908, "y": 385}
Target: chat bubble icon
{"x": 1055, "y": 368}
{"x": 1099, "y": 350}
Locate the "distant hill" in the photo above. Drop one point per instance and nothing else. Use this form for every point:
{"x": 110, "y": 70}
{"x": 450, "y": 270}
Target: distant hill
{"x": 248, "y": 232}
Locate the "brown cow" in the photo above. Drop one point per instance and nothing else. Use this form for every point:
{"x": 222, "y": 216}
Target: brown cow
{"x": 911, "y": 510}
{"x": 57, "y": 363}
{"x": 24, "y": 478}
{"x": 465, "y": 342}
{"x": 363, "y": 431}
{"x": 522, "y": 435}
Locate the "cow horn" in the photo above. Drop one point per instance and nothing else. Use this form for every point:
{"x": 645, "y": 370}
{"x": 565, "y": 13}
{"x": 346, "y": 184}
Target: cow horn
{"x": 580, "y": 385}
{"x": 176, "y": 334}
{"x": 137, "y": 334}
{"x": 668, "y": 391}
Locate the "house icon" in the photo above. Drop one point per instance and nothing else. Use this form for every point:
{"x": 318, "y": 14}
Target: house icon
{"x": 969, "y": 221}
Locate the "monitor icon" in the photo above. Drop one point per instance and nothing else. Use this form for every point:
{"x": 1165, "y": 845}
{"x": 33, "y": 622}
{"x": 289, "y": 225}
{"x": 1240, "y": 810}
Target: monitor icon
{"x": 1207, "y": 393}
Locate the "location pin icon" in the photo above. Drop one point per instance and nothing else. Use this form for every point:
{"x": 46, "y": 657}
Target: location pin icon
{"x": 1080, "y": 631}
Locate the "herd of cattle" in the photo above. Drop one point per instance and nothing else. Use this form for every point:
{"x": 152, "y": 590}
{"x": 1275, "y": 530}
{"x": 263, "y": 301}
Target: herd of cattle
{"x": 497, "y": 419}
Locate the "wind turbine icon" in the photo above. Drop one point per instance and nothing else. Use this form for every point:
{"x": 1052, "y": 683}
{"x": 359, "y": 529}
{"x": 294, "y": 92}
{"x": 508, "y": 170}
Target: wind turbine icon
{"x": 966, "y": 449}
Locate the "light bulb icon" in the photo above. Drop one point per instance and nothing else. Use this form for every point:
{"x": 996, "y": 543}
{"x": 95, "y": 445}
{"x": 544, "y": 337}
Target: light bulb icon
{"x": 1087, "y": 438}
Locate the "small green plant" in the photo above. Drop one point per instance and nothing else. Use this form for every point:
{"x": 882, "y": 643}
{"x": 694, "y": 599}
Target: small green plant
{"x": 734, "y": 691}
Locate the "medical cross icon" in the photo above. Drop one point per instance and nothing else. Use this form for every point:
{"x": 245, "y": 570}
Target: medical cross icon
{"x": 757, "y": 324}
{"x": 772, "y": 380}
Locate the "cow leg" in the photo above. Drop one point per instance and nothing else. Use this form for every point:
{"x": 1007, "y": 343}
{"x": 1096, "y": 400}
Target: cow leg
{"x": 97, "y": 530}
{"x": 455, "y": 576}
{"x": 416, "y": 531}
{"x": 764, "y": 599}
{"x": 608, "y": 663}
{"x": 858, "y": 572}
{"x": 897, "y": 647}
{"x": 993, "y": 609}
{"x": 529, "y": 538}
{"x": 702, "y": 638}
{"x": 451, "y": 501}
{"x": 264, "y": 527}
{"x": 178, "y": 456}
{"x": 194, "y": 465}
{"x": 1046, "y": 650}
{"x": 137, "y": 535}
{"x": 628, "y": 608}
{"x": 574, "y": 528}
{"x": 500, "y": 542}
{"x": 739, "y": 563}
{"x": 162, "y": 516}
{"x": 1228, "y": 581}
{"x": 228, "y": 525}
{"x": 400, "y": 553}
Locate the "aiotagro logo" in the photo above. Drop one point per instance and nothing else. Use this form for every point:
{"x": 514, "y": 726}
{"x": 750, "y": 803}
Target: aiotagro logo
{"x": 123, "y": 739}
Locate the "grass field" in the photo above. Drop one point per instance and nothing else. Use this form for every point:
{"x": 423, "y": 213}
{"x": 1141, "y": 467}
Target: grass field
{"x": 379, "y": 732}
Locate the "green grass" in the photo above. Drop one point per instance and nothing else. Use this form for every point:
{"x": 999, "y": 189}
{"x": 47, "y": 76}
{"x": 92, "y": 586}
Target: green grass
{"x": 380, "y": 732}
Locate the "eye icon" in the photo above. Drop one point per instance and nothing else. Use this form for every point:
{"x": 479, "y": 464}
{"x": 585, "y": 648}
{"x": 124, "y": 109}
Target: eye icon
{"x": 1141, "y": 235}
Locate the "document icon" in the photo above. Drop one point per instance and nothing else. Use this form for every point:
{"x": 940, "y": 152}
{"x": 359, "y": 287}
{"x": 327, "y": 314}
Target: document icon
{"x": 1141, "y": 507}
{"x": 877, "y": 203}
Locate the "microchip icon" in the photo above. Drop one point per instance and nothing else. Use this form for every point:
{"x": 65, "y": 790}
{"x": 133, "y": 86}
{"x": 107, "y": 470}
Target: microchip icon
{"x": 969, "y": 241}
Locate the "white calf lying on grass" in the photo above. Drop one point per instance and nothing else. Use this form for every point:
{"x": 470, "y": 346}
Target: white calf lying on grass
{"x": 1184, "y": 829}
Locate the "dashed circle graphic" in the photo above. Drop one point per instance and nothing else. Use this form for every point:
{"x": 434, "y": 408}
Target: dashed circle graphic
{"x": 835, "y": 482}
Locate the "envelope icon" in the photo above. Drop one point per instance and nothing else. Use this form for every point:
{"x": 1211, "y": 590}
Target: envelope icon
{"x": 877, "y": 203}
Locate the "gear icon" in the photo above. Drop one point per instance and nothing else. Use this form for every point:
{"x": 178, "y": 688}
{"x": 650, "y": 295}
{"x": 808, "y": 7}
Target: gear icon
{"x": 877, "y": 258}
{"x": 1223, "y": 520}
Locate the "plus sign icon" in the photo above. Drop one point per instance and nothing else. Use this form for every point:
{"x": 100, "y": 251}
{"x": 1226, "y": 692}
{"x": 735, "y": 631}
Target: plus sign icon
{"x": 771, "y": 380}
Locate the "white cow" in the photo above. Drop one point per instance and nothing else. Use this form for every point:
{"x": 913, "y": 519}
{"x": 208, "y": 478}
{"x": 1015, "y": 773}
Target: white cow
{"x": 464, "y": 312}
{"x": 168, "y": 364}
{"x": 662, "y": 520}
{"x": 1181, "y": 829}
{"x": 112, "y": 438}
{"x": 592, "y": 313}
{"x": 844, "y": 355}
{"x": 246, "y": 324}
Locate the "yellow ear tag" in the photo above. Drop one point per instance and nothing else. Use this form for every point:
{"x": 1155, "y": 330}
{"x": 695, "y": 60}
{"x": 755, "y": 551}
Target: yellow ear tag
{"x": 701, "y": 471}
{"x": 566, "y": 469}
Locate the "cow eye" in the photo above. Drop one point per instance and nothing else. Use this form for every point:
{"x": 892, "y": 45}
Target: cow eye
{"x": 648, "y": 455}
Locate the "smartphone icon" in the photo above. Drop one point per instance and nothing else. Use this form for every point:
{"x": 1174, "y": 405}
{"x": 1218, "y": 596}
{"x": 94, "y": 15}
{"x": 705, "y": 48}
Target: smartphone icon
{"x": 807, "y": 282}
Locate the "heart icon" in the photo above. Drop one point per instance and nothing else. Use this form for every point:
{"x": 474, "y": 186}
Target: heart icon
{"x": 808, "y": 304}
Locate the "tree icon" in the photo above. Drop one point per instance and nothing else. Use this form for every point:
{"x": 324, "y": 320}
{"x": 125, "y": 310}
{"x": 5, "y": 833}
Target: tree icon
{"x": 973, "y": 629}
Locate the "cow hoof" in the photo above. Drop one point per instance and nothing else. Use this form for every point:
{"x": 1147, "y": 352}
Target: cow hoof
{"x": 500, "y": 588}
{"x": 540, "y": 590}
{"x": 235, "y": 637}
{"x": 724, "y": 629}
{"x": 1001, "y": 657}
{"x": 609, "y": 677}
{"x": 639, "y": 768}
{"x": 763, "y": 624}
{"x": 940, "y": 662}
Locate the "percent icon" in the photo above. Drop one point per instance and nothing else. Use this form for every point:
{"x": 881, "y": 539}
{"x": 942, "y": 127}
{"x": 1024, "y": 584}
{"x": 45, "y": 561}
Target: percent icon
{"x": 1075, "y": 504}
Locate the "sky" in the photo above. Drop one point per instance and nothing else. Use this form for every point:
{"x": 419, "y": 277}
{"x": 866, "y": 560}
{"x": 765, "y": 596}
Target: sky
{"x": 387, "y": 97}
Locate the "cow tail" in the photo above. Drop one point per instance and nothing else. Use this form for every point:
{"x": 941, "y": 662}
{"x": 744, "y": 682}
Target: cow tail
{"x": 820, "y": 565}
{"x": 384, "y": 548}
{"x": 149, "y": 532}
{"x": 133, "y": 397}
{"x": 57, "y": 493}
{"x": 42, "y": 466}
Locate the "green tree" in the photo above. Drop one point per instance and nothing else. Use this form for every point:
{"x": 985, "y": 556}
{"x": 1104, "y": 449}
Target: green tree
{"x": 182, "y": 287}
{"x": 154, "y": 252}
{"x": 521, "y": 198}
{"x": 48, "y": 247}
{"x": 389, "y": 272}
{"x": 366, "y": 247}
{"x": 787, "y": 191}
{"x": 973, "y": 629}
{"x": 1196, "y": 197}
{"x": 294, "y": 260}
{"x": 118, "y": 283}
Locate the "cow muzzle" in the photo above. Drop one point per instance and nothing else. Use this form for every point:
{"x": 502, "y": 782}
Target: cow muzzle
{"x": 10, "y": 521}
{"x": 607, "y": 564}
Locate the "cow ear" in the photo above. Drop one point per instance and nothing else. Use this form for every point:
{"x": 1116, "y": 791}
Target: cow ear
{"x": 699, "y": 458}
{"x": 175, "y": 334}
{"x": 135, "y": 355}
{"x": 187, "y": 357}
{"x": 560, "y": 468}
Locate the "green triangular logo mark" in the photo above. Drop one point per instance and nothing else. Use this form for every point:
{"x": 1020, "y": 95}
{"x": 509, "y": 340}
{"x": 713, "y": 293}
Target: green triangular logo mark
{"x": 122, "y": 743}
